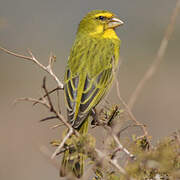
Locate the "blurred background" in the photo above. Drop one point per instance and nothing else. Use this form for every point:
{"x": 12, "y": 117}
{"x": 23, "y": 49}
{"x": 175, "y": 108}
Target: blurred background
{"x": 50, "y": 26}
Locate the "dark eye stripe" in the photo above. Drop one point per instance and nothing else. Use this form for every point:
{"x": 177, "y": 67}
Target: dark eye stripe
{"x": 102, "y": 18}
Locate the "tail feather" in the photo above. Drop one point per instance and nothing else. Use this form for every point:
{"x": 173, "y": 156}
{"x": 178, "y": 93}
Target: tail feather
{"x": 73, "y": 161}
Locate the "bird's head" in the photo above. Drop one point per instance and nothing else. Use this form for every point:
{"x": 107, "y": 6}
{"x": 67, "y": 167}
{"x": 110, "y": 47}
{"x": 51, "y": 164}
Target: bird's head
{"x": 99, "y": 23}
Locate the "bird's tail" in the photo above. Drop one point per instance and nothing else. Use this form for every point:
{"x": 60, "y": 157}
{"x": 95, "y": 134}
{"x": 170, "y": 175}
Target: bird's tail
{"x": 73, "y": 159}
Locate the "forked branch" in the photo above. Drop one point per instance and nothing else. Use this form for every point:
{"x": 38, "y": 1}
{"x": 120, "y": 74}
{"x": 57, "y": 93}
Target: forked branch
{"x": 32, "y": 58}
{"x": 46, "y": 101}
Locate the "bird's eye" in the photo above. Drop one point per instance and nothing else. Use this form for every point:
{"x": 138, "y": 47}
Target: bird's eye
{"x": 102, "y": 18}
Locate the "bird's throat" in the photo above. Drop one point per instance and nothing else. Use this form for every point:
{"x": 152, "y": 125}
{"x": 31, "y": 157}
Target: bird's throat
{"x": 110, "y": 33}
{"x": 107, "y": 33}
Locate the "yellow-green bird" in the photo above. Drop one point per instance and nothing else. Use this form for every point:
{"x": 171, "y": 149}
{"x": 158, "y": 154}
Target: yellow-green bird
{"x": 89, "y": 74}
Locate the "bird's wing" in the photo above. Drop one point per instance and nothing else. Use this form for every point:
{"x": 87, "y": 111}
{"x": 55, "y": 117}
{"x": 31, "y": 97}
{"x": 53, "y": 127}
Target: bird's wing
{"x": 80, "y": 103}
{"x": 86, "y": 82}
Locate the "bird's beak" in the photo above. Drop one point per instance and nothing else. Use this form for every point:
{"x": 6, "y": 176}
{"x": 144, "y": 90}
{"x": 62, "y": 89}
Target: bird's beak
{"x": 115, "y": 22}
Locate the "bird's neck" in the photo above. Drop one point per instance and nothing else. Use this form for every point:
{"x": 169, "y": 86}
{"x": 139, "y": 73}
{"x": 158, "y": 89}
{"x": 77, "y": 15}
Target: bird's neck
{"x": 107, "y": 34}
{"x": 104, "y": 34}
{"x": 99, "y": 33}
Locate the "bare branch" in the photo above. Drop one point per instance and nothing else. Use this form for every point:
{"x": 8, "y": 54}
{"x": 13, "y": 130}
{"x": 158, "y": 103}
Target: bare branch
{"x": 131, "y": 115}
{"x": 32, "y": 58}
{"x": 32, "y": 100}
{"x": 52, "y": 109}
{"x": 59, "y": 109}
{"x": 113, "y": 162}
{"x": 56, "y": 126}
{"x": 125, "y": 128}
{"x": 48, "y": 118}
{"x": 158, "y": 59}
{"x": 48, "y": 97}
{"x": 16, "y": 54}
{"x": 62, "y": 143}
{"x": 50, "y": 92}
{"x": 121, "y": 147}
{"x": 60, "y": 117}
{"x": 127, "y": 108}
{"x": 48, "y": 104}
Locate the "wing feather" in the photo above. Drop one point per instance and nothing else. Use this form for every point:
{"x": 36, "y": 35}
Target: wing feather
{"x": 87, "y": 80}
{"x": 94, "y": 90}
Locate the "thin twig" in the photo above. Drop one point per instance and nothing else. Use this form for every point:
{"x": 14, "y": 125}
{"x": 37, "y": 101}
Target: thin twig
{"x": 52, "y": 109}
{"x": 158, "y": 59}
{"x": 125, "y": 128}
{"x": 131, "y": 115}
{"x": 48, "y": 97}
{"x": 121, "y": 147}
{"x": 113, "y": 162}
{"x": 62, "y": 143}
{"x": 50, "y": 92}
{"x": 56, "y": 126}
{"x": 44, "y": 103}
{"x": 48, "y": 118}
{"x": 126, "y": 106}
{"x": 48, "y": 104}
{"x": 59, "y": 109}
{"x": 32, "y": 58}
